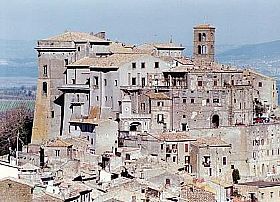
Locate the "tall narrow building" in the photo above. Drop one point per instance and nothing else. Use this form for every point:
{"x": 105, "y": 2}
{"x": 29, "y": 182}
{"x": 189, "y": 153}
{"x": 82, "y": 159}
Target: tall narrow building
{"x": 204, "y": 44}
{"x": 54, "y": 54}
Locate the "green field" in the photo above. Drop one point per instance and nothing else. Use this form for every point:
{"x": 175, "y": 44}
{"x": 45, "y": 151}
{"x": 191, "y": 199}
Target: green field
{"x": 6, "y": 104}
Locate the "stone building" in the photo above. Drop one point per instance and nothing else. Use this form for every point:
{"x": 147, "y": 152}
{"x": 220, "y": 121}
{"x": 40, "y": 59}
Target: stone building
{"x": 12, "y": 189}
{"x": 261, "y": 191}
{"x": 88, "y": 85}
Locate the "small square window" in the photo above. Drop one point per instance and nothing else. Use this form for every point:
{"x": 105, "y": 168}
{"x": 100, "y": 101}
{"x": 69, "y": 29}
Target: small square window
{"x": 199, "y": 83}
{"x": 156, "y": 64}
{"x": 184, "y": 100}
{"x": 134, "y": 65}
{"x": 192, "y": 101}
{"x": 216, "y": 100}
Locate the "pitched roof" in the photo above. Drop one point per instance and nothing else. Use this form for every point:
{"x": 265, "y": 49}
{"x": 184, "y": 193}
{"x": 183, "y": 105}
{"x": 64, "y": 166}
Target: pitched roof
{"x": 114, "y": 60}
{"x": 29, "y": 166}
{"x": 76, "y": 36}
{"x": 121, "y": 48}
{"x": 158, "y": 96}
{"x": 210, "y": 141}
{"x": 261, "y": 184}
{"x": 167, "y": 46}
{"x": 58, "y": 143}
{"x": 203, "y": 26}
{"x": 175, "y": 136}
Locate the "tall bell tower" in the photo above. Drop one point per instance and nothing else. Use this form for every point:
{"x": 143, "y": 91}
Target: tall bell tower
{"x": 204, "y": 44}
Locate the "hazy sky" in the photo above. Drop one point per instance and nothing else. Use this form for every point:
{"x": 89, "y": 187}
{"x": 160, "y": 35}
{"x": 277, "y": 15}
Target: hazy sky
{"x": 136, "y": 21}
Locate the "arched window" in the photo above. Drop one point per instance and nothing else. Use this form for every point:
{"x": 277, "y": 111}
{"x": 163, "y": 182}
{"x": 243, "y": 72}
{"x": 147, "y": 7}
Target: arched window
{"x": 203, "y": 37}
{"x": 199, "y": 49}
{"x": 203, "y": 49}
{"x": 199, "y": 37}
{"x": 45, "y": 88}
{"x": 215, "y": 121}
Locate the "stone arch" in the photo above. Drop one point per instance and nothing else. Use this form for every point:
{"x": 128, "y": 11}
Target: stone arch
{"x": 134, "y": 126}
{"x": 215, "y": 120}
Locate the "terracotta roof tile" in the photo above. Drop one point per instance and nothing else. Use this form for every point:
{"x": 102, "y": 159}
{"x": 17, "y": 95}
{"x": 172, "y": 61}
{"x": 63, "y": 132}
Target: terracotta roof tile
{"x": 158, "y": 96}
{"x": 58, "y": 143}
{"x": 175, "y": 136}
{"x": 114, "y": 60}
{"x": 210, "y": 141}
{"x": 76, "y": 36}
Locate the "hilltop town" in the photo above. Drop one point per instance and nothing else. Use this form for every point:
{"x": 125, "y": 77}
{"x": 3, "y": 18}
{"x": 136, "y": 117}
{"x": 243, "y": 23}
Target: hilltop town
{"x": 121, "y": 122}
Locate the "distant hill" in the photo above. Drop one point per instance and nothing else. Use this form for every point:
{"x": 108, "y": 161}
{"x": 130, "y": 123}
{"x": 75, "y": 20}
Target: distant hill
{"x": 17, "y": 58}
{"x": 254, "y": 51}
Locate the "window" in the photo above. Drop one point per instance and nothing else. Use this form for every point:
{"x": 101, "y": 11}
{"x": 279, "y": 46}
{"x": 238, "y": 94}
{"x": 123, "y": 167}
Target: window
{"x": 133, "y": 81}
{"x": 192, "y": 101}
{"x": 161, "y": 146}
{"x": 116, "y": 82}
{"x": 133, "y": 65}
{"x": 143, "y": 65}
{"x": 224, "y": 160}
{"x": 260, "y": 84}
{"x": 160, "y": 104}
{"x": 184, "y": 100}
{"x": 52, "y": 114}
{"x": 45, "y": 88}
{"x": 65, "y": 62}
{"x": 106, "y": 98}
{"x": 143, "y": 81}
{"x": 199, "y": 83}
{"x": 206, "y": 161}
{"x": 96, "y": 80}
{"x": 184, "y": 116}
{"x": 105, "y": 82}
{"x": 79, "y": 48}
{"x": 216, "y": 100}
{"x": 215, "y": 83}
{"x": 186, "y": 147}
{"x": 73, "y": 81}
{"x": 45, "y": 70}
{"x": 184, "y": 127}
{"x": 271, "y": 194}
{"x": 167, "y": 181}
{"x": 187, "y": 159}
{"x": 127, "y": 156}
{"x": 207, "y": 100}
{"x": 91, "y": 141}
{"x": 156, "y": 64}
{"x": 97, "y": 98}
{"x": 57, "y": 153}
{"x": 142, "y": 106}
{"x": 174, "y": 159}
{"x": 160, "y": 118}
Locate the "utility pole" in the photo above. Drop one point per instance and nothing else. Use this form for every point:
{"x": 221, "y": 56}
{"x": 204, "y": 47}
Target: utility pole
{"x": 17, "y": 149}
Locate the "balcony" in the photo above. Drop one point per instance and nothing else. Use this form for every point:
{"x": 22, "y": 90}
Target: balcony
{"x": 74, "y": 87}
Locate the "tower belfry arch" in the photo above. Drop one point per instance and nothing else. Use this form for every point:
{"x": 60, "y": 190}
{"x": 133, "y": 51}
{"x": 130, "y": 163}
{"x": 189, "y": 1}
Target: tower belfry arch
{"x": 204, "y": 44}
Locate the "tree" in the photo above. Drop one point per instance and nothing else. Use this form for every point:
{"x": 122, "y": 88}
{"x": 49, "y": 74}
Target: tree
{"x": 235, "y": 176}
{"x": 13, "y": 122}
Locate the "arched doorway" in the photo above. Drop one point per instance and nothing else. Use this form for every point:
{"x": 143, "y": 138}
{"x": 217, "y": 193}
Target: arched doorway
{"x": 215, "y": 121}
{"x": 134, "y": 126}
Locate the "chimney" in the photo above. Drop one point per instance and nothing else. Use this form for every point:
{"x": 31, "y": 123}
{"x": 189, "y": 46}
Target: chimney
{"x": 101, "y": 35}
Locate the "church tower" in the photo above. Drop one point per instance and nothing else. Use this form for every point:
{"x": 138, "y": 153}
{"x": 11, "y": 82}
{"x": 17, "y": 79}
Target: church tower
{"x": 204, "y": 44}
